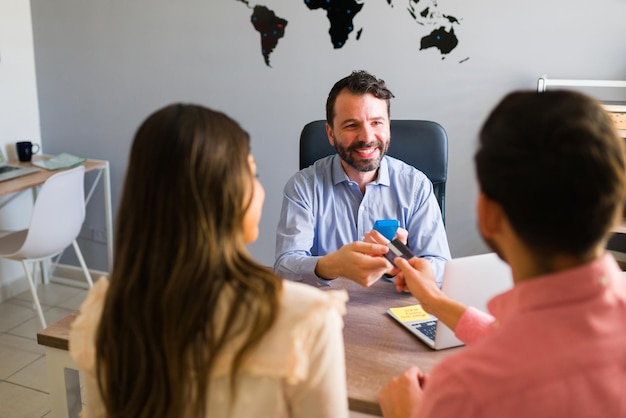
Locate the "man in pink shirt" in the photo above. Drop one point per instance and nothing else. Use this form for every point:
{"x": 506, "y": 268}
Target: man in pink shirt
{"x": 552, "y": 176}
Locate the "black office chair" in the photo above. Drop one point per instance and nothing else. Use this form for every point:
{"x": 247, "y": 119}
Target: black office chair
{"x": 420, "y": 143}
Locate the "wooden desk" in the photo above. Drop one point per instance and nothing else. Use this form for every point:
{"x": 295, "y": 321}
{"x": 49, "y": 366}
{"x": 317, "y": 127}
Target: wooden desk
{"x": 63, "y": 378}
{"x": 31, "y": 181}
{"x": 377, "y": 347}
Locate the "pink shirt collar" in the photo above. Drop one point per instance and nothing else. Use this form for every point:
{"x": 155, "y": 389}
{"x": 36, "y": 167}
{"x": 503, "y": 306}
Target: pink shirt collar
{"x": 582, "y": 282}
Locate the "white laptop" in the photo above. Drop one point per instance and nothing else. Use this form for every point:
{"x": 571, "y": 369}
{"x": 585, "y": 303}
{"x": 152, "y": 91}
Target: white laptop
{"x": 8, "y": 171}
{"x": 471, "y": 280}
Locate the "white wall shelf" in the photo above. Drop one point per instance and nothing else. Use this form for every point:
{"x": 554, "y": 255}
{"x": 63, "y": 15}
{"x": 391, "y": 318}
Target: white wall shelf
{"x": 543, "y": 82}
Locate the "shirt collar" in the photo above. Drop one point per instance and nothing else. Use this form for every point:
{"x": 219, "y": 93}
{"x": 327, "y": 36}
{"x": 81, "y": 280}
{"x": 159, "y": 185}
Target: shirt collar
{"x": 340, "y": 176}
{"x": 579, "y": 283}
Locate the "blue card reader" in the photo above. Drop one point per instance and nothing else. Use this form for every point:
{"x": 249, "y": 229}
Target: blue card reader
{"x": 387, "y": 227}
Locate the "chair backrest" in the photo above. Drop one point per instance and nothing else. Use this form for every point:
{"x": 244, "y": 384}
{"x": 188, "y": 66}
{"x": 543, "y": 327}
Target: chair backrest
{"x": 58, "y": 214}
{"x": 420, "y": 143}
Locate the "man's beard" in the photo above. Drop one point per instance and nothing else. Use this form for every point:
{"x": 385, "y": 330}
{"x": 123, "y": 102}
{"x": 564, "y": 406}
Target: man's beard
{"x": 362, "y": 165}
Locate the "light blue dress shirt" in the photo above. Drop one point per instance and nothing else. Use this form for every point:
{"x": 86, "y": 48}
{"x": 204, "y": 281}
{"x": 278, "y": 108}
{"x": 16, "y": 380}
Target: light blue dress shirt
{"x": 323, "y": 210}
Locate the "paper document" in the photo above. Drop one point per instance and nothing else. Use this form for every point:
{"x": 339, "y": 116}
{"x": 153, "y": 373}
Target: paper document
{"x": 410, "y": 313}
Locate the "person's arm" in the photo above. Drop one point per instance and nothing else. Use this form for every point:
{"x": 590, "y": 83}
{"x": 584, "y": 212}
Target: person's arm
{"x": 359, "y": 261}
{"x": 418, "y": 278}
{"x": 473, "y": 325}
{"x": 355, "y": 261}
{"x": 295, "y": 234}
{"x": 323, "y": 394}
{"x": 469, "y": 324}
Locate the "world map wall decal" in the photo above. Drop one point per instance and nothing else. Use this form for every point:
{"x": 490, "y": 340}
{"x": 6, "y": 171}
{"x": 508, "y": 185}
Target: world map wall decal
{"x": 341, "y": 15}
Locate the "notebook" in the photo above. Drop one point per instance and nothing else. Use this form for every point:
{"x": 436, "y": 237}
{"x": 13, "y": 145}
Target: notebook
{"x": 471, "y": 280}
{"x": 60, "y": 161}
{"x": 8, "y": 171}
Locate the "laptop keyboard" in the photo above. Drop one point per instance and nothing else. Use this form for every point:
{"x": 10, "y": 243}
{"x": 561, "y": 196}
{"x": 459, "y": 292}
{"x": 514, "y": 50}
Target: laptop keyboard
{"x": 428, "y": 328}
{"x": 5, "y": 169}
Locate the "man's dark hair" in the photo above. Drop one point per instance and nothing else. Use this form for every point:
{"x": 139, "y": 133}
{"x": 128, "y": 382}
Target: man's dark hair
{"x": 555, "y": 163}
{"x": 359, "y": 83}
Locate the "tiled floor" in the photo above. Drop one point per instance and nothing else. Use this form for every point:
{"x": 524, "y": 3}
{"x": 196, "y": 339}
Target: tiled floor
{"x": 23, "y": 379}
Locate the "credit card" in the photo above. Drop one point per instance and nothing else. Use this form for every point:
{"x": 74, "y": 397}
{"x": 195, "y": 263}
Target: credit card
{"x": 398, "y": 249}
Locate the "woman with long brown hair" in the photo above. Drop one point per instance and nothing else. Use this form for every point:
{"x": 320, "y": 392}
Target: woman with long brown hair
{"x": 189, "y": 325}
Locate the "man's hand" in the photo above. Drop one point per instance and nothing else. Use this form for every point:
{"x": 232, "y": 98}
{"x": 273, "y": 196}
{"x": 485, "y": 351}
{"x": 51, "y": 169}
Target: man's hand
{"x": 418, "y": 278}
{"x": 401, "y": 397}
{"x": 376, "y": 237}
{"x": 358, "y": 261}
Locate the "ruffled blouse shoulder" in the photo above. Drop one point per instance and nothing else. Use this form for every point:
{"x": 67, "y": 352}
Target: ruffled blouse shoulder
{"x": 285, "y": 351}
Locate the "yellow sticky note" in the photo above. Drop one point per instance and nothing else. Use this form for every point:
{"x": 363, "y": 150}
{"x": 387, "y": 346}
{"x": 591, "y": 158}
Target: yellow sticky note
{"x": 410, "y": 313}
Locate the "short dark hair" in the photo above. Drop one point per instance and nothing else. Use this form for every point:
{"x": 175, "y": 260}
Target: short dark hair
{"x": 556, "y": 164}
{"x": 359, "y": 83}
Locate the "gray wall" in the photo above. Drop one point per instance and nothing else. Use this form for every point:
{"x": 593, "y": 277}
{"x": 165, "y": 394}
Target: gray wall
{"x": 103, "y": 66}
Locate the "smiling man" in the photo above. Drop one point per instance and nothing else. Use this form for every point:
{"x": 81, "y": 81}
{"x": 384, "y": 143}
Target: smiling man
{"x": 330, "y": 206}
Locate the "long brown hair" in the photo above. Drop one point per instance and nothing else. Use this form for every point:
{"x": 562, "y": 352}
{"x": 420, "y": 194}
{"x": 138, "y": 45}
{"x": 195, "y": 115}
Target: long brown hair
{"x": 179, "y": 247}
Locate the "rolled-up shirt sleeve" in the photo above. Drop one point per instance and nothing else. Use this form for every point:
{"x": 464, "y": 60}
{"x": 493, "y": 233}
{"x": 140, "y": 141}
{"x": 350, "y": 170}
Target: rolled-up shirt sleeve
{"x": 473, "y": 325}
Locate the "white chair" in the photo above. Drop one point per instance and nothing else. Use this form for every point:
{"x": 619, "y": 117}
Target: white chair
{"x": 57, "y": 217}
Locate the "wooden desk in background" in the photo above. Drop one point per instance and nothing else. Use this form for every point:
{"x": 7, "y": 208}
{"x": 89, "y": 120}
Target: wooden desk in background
{"x": 63, "y": 377}
{"x": 377, "y": 348}
{"x": 31, "y": 181}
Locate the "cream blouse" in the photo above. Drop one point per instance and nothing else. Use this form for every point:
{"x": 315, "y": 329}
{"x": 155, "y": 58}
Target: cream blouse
{"x": 297, "y": 370}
